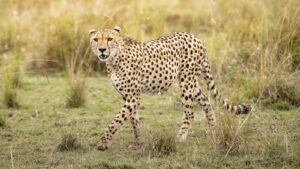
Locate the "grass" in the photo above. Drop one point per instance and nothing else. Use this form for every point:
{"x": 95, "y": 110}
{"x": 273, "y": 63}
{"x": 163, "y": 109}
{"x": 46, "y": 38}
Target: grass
{"x": 105, "y": 165}
{"x": 269, "y": 139}
{"x": 162, "y": 144}
{"x": 76, "y": 92}
{"x": 77, "y": 68}
{"x": 69, "y": 142}
{"x": 11, "y": 82}
{"x": 229, "y": 137}
{"x": 3, "y": 120}
{"x": 259, "y": 44}
{"x": 255, "y": 52}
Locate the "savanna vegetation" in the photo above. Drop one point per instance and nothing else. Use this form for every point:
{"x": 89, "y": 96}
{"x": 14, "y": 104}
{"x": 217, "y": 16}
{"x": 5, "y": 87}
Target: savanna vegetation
{"x": 55, "y": 100}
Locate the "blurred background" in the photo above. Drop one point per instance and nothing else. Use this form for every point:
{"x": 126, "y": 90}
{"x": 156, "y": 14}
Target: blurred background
{"x": 55, "y": 96}
{"x": 253, "y": 45}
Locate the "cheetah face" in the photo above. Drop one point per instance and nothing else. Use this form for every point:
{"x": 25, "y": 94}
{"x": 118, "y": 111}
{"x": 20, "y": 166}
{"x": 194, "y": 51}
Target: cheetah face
{"x": 104, "y": 43}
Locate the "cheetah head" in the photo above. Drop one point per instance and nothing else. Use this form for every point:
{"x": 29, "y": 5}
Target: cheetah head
{"x": 104, "y": 43}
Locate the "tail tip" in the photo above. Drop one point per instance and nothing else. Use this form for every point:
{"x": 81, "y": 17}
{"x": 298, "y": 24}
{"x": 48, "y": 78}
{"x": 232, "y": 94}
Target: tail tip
{"x": 243, "y": 109}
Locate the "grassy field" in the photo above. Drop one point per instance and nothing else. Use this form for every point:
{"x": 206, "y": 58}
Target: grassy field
{"x": 55, "y": 99}
{"x": 269, "y": 138}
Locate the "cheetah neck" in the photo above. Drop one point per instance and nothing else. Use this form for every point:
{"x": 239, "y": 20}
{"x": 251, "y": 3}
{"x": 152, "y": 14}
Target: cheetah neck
{"x": 125, "y": 53}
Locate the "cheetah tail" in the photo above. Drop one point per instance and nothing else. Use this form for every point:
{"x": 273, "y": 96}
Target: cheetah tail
{"x": 237, "y": 109}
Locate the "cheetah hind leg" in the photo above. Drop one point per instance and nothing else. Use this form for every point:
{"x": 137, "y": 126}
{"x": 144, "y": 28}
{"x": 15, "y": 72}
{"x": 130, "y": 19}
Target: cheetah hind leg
{"x": 202, "y": 99}
{"x": 134, "y": 118}
{"x": 187, "y": 91}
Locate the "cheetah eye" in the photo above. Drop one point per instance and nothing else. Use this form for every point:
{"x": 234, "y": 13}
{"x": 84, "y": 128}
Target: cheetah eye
{"x": 96, "y": 39}
{"x": 109, "y": 39}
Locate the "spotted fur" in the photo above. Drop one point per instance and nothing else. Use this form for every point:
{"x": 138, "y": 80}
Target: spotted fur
{"x": 152, "y": 67}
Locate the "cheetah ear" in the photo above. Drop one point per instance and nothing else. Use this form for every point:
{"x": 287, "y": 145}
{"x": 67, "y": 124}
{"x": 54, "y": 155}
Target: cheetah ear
{"x": 92, "y": 31}
{"x": 118, "y": 29}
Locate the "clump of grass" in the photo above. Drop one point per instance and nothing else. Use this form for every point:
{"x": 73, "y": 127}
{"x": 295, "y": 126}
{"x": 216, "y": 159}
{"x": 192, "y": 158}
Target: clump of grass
{"x": 69, "y": 142}
{"x": 76, "y": 93}
{"x": 105, "y": 165}
{"x": 3, "y": 120}
{"x": 276, "y": 146}
{"x": 11, "y": 81}
{"x": 283, "y": 88}
{"x": 162, "y": 144}
{"x": 230, "y": 133}
{"x": 281, "y": 105}
{"x": 10, "y": 94}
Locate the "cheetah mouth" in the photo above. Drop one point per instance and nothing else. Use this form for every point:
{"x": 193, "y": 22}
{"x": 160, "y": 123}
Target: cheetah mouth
{"x": 103, "y": 57}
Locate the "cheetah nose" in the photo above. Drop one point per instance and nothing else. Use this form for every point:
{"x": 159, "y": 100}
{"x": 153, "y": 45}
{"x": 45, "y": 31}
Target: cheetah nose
{"x": 102, "y": 49}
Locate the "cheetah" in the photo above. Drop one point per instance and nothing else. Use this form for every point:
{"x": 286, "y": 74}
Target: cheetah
{"x": 152, "y": 67}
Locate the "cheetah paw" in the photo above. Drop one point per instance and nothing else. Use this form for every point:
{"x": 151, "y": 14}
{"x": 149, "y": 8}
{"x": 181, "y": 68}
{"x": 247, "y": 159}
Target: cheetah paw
{"x": 103, "y": 145}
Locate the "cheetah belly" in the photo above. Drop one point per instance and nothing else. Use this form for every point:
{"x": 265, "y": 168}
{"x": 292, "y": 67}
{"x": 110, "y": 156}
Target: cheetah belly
{"x": 117, "y": 83}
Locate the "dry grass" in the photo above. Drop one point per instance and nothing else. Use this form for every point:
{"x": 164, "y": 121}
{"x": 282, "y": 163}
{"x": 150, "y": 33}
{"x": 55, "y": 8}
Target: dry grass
{"x": 162, "y": 144}
{"x": 256, "y": 50}
{"x": 283, "y": 88}
{"x": 76, "y": 96}
{"x": 253, "y": 46}
{"x": 231, "y": 135}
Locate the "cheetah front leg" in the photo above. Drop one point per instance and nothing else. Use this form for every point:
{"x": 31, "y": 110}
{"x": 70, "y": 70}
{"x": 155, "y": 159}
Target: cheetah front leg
{"x": 106, "y": 138}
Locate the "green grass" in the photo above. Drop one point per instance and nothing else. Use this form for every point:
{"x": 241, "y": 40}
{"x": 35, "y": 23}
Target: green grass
{"x": 3, "y": 120}
{"x": 255, "y": 52}
{"x": 76, "y": 90}
{"x": 11, "y": 82}
{"x": 269, "y": 139}
{"x": 69, "y": 142}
